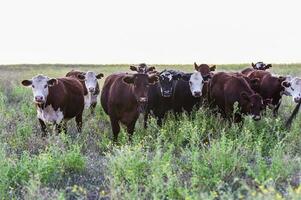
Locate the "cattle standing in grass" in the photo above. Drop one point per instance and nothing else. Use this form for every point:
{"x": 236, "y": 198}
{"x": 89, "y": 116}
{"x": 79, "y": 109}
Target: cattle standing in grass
{"x": 160, "y": 96}
{"x": 226, "y": 89}
{"x": 143, "y": 68}
{"x": 57, "y": 101}
{"x": 90, "y": 84}
{"x": 257, "y": 66}
{"x": 188, "y": 92}
{"x": 270, "y": 88}
{"x": 124, "y": 97}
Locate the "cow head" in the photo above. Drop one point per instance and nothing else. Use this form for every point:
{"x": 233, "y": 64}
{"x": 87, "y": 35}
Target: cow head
{"x": 141, "y": 84}
{"x": 166, "y": 80}
{"x": 292, "y": 87}
{"x": 90, "y": 79}
{"x": 261, "y": 66}
{"x": 196, "y": 83}
{"x": 252, "y": 104}
{"x": 204, "y": 69}
{"x": 142, "y": 68}
{"x": 40, "y": 87}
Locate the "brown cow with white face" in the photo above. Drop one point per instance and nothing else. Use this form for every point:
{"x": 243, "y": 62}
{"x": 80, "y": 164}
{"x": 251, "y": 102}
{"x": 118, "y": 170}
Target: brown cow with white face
{"x": 57, "y": 101}
{"x": 123, "y": 97}
{"x": 89, "y": 81}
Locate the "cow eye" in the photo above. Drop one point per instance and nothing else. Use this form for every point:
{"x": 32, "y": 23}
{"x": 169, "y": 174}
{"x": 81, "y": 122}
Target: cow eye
{"x": 32, "y": 86}
{"x": 45, "y": 86}
{"x": 190, "y": 82}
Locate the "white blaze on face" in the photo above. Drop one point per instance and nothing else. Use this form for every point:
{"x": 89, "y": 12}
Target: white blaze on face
{"x": 259, "y": 65}
{"x": 196, "y": 83}
{"x": 40, "y": 88}
{"x": 90, "y": 81}
{"x": 167, "y": 75}
{"x": 294, "y": 89}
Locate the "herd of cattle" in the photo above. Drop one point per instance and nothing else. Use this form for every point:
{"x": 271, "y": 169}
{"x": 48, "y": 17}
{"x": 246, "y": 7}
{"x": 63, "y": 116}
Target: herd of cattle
{"x": 125, "y": 95}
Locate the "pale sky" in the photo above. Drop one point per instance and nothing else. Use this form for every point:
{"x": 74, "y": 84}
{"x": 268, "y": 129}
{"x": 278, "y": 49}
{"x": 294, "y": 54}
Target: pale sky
{"x": 152, "y": 31}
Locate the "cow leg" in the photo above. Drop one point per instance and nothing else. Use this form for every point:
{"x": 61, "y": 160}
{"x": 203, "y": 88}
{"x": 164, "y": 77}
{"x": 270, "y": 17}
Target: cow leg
{"x": 145, "y": 119}
{"x": 92, "y": 107}
{"x": 115, "y": 128}
{"x": 58, "y": 127}
{"x": 43, "y": 128}
{"x": 275, "y": 110}
{"x": 79, "y": 122}
{"x": 130, "y": 130}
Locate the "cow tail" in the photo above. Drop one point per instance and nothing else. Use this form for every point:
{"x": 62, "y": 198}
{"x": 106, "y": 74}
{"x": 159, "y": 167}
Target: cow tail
{"x": 291, "y": 118}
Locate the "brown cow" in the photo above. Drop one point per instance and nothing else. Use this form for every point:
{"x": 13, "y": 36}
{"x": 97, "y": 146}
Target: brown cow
{"x": 90, "y": 85}
{"x": 123, "y": 97}
{"x": 143, "y": 68}
{"x": 270, "y": 87}
{"x": 57, "y": 101}
{"x": 226, "y": 89}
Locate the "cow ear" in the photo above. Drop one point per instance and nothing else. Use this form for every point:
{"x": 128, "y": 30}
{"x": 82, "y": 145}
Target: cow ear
{"x": 285, "y": 84}
{"x": 268, "y": 66}
{"x": 212, "y": 68}
{"x": 245, "y": 96}
{"x": 128, "y": 79}
{"x": 133, "y": 68}
{"x": 99, "y": 76}
{"x": 253, "y": 65}
{"x": 81, "y": 77}
{"x": 26, "y": 82}
{"x": 196, "y": 67}
{"x": 153, "y": 79}
{"x": 52, "y": 82}
{"x": 151, "y": 69}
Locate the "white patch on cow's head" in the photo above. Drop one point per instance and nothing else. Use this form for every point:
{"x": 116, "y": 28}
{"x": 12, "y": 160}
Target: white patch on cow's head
{"x": 90, "y": 81}
{"x": 293, "y": 88}
{"x": 259, "y": 65}
{"x": 40, "y": 87}
{"x": 167, "y": 74}
{"x": 196, "y": 83}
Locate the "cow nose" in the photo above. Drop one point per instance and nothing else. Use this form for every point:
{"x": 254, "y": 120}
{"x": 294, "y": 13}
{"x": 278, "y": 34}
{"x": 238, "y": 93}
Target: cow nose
{"x": 256, "y": 117}
{"x": 142, "y": 99}
{"x": 91, "y": 89}
{"x": 197, "y": 93}
{"x": 38, "y": 98}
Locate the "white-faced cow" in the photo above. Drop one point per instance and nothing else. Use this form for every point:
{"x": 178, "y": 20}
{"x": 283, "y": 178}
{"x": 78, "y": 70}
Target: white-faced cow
{"x": 160, "y": 95}
{"x": 90, "y": 84}
{"x": 57, "y": 101}
{"x": 124, "y": 97}
{"x": 188, "y": 92}
{"x": 292, "y": 87}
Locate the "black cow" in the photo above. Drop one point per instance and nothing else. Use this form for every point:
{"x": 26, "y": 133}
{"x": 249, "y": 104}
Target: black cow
{"x": 160, "y": 95}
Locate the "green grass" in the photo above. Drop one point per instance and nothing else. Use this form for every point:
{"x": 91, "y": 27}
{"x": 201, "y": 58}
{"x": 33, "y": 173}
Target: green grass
{"x": 199, "y": 158}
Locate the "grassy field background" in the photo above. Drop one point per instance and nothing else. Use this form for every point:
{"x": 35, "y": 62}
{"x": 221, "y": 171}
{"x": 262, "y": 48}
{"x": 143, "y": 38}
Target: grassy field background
{"x": 199, "y": 158}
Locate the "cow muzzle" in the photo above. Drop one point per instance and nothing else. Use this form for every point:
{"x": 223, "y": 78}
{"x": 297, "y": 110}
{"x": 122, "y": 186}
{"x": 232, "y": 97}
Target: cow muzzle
{"x": 91, "y": 90}
{"x": 142, "y": 100}
{"x": 256, "y": 117}
{"x": 197, "y": 93}
{"x": 39, "y": 99}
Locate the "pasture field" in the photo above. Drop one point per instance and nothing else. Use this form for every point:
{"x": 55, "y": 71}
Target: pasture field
{"x": 191, "y": 158}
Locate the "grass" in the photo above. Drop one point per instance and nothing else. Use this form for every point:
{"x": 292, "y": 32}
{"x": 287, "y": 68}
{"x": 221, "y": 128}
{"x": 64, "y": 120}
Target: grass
{"x": 199, "y": 158}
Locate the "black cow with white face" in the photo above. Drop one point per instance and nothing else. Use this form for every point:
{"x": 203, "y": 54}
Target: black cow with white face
{"x": 160, "y": 95}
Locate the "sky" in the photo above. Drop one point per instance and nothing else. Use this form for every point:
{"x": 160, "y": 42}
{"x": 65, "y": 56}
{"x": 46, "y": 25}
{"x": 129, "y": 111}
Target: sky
{"x": 150, "y": 31}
